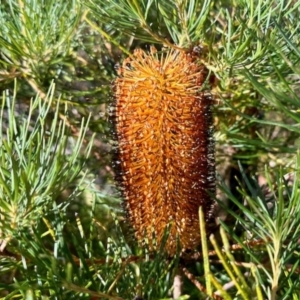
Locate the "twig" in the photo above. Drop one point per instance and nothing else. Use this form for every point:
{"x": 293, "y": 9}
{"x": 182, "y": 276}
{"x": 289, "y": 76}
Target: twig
{"x": 177, "y": 286}
{"x": 227, "y": 286}
{"x": 196, "y": 256}
{"x": 200, "y": 287}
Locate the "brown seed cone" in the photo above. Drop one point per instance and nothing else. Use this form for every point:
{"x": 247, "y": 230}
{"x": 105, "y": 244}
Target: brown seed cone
{"x": 165, "y": 146}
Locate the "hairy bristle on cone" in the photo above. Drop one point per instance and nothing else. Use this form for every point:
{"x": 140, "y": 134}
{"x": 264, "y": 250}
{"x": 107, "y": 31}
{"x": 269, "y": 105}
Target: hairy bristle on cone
{"x": 165, "y": 156}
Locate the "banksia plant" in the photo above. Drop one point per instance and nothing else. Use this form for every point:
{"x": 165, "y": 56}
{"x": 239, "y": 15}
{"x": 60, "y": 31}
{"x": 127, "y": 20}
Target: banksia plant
{"x": 60, "y": 234}
{"x": 165, "y": 155}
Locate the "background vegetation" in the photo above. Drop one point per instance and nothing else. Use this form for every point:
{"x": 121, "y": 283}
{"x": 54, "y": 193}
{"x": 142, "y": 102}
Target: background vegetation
{"x": 62, "y": 229}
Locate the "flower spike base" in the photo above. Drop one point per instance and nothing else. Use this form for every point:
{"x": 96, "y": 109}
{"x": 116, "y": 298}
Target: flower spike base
{"x": 165, "y": 152}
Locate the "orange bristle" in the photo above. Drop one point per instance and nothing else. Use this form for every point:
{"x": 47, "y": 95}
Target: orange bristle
{"x": 164, "y": 131}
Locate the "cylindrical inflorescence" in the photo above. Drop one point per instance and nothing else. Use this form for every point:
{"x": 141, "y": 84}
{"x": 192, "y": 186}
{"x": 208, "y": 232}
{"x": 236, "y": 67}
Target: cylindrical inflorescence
{"x": 165, "y": 154}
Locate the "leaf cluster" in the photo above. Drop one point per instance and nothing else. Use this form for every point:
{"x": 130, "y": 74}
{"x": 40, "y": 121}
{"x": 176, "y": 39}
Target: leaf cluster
{"x": 35, "y": 35}
{"x": 35, "y": 164}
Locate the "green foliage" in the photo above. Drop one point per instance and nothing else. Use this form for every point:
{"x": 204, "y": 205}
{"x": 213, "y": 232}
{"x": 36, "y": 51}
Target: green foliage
{"x": 35, "y": 35}
{"x": 62, "y": 229}
{"x": 269, "y": 218}
{"x": 155, "y": 21}
{"x": 35, "y": 165}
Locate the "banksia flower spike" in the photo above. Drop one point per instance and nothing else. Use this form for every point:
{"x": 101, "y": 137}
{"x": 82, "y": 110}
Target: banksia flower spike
{"x": 165, "y": 150}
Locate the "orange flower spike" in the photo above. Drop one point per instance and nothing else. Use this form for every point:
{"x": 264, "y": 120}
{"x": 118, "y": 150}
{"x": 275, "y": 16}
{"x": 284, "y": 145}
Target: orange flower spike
{"x": 165, "y": 146}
